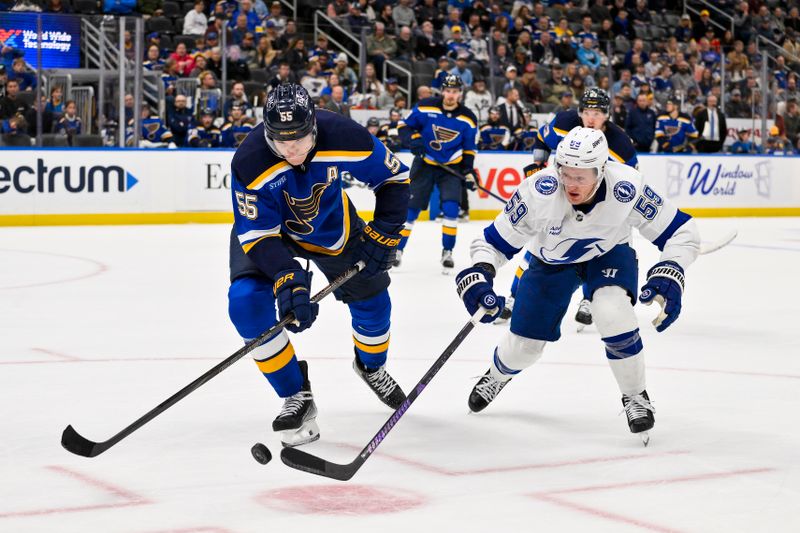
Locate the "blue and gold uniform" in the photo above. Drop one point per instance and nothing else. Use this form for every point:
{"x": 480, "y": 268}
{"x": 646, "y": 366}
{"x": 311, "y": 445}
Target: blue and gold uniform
{"x": 205, "y": 137}
{"x": 524, "y": 139}
{"x": 283, "y": 211}
{"x": 438, "y": 137}
{"x": 233, "y": 134}
{"x": 495, "y": 137}
{"x": 620, "y": 147}
{"x": 674, "y": 134}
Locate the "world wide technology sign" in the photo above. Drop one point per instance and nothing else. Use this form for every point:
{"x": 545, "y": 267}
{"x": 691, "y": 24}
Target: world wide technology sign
{"x": 61, "y": 38}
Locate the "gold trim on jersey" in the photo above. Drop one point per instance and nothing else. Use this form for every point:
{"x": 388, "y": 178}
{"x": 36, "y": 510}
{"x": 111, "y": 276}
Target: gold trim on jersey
{"x": 268, "y": 175}
{"x": 327, "y": 156}
{"x": 429, "y": 109}
{"x": 616, "y": 156}
{"x": 466, "y": 119}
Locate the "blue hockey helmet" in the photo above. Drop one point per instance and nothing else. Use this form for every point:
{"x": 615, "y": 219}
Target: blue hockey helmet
{"x": 288, "y": 115}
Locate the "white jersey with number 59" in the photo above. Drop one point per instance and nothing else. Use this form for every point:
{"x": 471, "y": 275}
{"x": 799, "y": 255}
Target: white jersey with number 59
{"x": 539, "y": 216}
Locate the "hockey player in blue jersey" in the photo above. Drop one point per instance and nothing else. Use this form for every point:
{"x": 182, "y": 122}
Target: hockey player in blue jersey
{"x": 675, "y": 131}
{"x": 234, "y": 131}
{"x": 288, "y": 202}
{"x": 205, "y": 134}
{"x": 593, "y": 113}
{"x": 440, "y": 131}
{"x": 577, "y": 217}
{"x": 494, "y": 135}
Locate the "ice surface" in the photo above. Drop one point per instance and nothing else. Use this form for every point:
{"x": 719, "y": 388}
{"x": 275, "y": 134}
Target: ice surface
{"x": 100, "y": 324}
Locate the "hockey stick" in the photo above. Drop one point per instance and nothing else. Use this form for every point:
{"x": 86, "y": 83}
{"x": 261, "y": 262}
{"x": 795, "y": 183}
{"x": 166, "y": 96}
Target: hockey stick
{"x": 478, "y": 185}
{"x": 74, "y": 442}
{"x": 300, "y": 460}
{"x": 711, "y": 247}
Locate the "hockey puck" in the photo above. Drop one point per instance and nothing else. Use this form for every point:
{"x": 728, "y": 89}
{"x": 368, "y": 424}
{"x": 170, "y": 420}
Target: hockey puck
{"x": 261, "y": 453}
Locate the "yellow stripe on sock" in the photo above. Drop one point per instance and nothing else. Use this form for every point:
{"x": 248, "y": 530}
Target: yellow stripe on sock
{"x": 377, "y": 348}
{"x": 449, "y": 231}
{"x": 275, "y": 363}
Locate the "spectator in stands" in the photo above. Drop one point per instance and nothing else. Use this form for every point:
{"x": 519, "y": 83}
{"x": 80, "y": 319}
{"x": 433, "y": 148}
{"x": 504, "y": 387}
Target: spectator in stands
{"x": 392, "y": 91}
{"x": 599, "y": 10}
{"x": 619, "y": 111}
{"x": 195, "y": 21}
{"x": 338, "y": 9}
{"x": 200, "y": 65}
{"x": 544, "y": 51}
{"x": 169, "y": 75}
{"x": 742, "y": 22}
{"x": 588, "y": 56}
{"x": 184, "y": 61}
{"x": 683, "y": 79}
{"x": 130, "y": 51}
{"x": 713, "y": 128}
{"x": 683, "y": 33}
{"x": 385, "y": 17}
{"x": 512, "y": 80}
{"x": 511, "y": 111}
{"x": 461, "y": 70}
{"x": 57, "y": 6}
{"x": 263, "y": 55}
{"x": 456, "y": 45}
{"x": 701, "y": 26}
{"x": 296, "y": 55}
{"x": 314, "y": 80}
{"x": 356, "y": 20}
{"x": 70, "y": 124}
{"x": 555, "y": 87}
{"x": 566, "y": 102}
{"x": 56, "y": 102}
{"x": 240, "y": 29}
{"x": 440, "y": 73}
{"x": 238, "y": 98}
{"x": 640, "y": 15}
{"x": 428, "y": 45}
{"x": 337, "y": 102}
{"x": 777, "y": 144}
{"x": 8, "y": 54}
{"x": 577, "y": 86}
{"x": 373, "y": 84}
{"x": 791, "y": 121}
{"x": 347, "y": 76}
{"x": 179, "y": 119}
{"x": 251, "y": 19}
{"x": 278, "y": 19}
{"x": 423, "y": 91}
{"x": 10, "y": 104}
{"x": 14, "y": 131}
{"x": 380, "y": 46}
{"x": 622, "y": 25}
{"x": 403, "y": 14}
{"x": 284, "y": 75}
{"x": 478, "y": 99}
{"x": 641, "y": 124}
{"x": 405, "y": 44}
{"x": 606, "y": 32}
{"x": 743, "y": 144}
{"x": 48, "y": 117}
{"x": 238, "y": 126}
{"x": 153, "y": 61}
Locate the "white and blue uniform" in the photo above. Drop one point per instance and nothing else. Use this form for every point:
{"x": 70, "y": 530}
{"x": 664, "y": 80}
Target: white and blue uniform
{"x": 588, "y": 244}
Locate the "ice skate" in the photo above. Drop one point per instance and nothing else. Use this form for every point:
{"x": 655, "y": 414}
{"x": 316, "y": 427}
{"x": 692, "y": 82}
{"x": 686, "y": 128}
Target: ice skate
{"x": 297, "y": 420}
{"x": 486, "y": 390}
{"x": 505, "y": 314}
{"x": 463, "y": 216}
{"x": 639, "y": 411}
{"x": 398, "y": 258}
{"x": 447, "y": 262}
{"x": 382, "y": 384}
{"x": 584, "y": 315}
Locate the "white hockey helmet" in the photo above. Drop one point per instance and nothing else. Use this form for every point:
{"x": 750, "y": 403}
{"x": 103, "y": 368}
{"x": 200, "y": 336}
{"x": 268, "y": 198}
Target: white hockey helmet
{"x": 583, "y": 148}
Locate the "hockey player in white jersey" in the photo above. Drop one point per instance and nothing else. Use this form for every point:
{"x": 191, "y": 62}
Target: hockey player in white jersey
{"x": 576, "y": 218}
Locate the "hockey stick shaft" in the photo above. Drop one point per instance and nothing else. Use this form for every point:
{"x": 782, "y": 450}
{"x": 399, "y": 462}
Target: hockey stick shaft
{"x": 74, "y": 442}
{"x": 722, "y": 243}
{"x": 300, "y": 460}
{"x": 478, "y": 185}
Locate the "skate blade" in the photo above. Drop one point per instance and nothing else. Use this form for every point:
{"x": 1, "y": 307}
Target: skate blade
{"x": 581, "y": 327}
{"x": 308, "y": 432}
{"x": 447, "y": 271}
{"x": 645, "y": 436}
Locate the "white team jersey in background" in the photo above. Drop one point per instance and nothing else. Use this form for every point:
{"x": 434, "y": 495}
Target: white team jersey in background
{"x": 539, "y": 216}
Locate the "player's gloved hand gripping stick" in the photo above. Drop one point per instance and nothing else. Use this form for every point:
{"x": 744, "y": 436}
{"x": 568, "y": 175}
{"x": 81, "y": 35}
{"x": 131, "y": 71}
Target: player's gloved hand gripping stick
{"x": 80, "y": 445}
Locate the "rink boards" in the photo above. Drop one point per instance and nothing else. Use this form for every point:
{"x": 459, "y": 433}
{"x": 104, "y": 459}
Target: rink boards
{"x": 124, "y": 186}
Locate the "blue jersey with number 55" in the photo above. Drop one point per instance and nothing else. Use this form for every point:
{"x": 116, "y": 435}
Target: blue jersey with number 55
{"x": 306, "y": 203}
{"x": 539, "y": 217}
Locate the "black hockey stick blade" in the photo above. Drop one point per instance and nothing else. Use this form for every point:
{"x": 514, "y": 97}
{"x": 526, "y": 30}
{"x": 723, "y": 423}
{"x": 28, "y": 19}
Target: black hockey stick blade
{"x": 73, "y": 442}
{"x": 306, "y": 462}
{"x": 76, "y": 443}
{"x": 478, "y": 185}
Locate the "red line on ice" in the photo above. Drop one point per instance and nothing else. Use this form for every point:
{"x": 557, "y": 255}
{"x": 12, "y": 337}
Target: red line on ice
{"x": 99, "y": 269}
{"x": 130, "y": 498}
{"x": 554, "y": 496}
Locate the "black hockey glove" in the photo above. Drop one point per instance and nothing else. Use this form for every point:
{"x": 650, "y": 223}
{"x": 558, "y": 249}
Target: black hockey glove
{"x": 533, "y": 168}
{"x": 417, "y": 146}
{"x": 292, "y": 290}
{"x": 380, "y": 241}
{"x": 474, "y": 287}
{"x": 665, "y": 286}
{"x": 473, "y": 182}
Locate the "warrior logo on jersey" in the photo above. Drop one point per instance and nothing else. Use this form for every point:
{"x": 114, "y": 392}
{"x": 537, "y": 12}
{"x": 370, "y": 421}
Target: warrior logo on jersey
{"x": 624, "y": 191}
{"x": 306, "y": 209}
{"x": 546, "y": 185}
{"x": 442, "y": 135}
{"x": 569, "y": 250}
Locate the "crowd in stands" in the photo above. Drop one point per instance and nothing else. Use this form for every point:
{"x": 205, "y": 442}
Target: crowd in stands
{"x": 662, "y": 67}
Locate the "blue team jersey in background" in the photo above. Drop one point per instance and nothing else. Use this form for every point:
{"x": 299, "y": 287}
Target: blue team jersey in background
{"x": 307, "y": 203}
{"x": 448, "y": 135}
